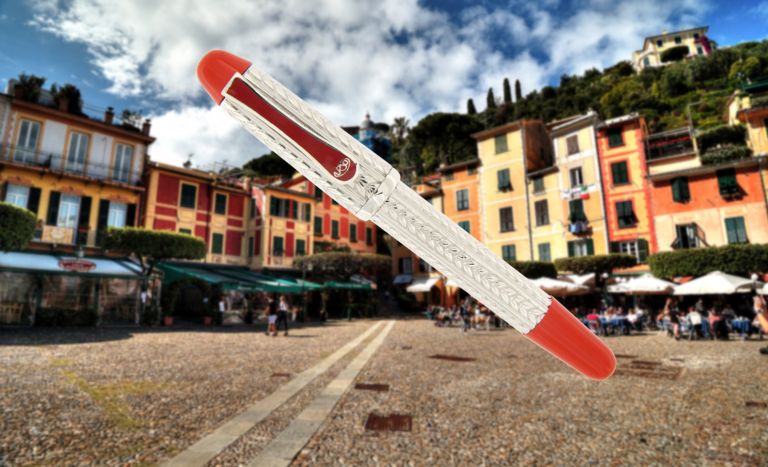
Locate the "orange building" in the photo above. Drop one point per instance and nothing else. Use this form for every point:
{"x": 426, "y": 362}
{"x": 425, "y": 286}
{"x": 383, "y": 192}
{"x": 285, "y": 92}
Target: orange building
{"x": 333, "y": 225}
{"x": 199, "y": 203}
{"x": 626, "y": 188}
{"x": 461, "y": 195}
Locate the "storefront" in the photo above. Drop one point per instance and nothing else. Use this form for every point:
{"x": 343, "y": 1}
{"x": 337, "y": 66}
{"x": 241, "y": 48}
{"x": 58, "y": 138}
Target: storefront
{"x": 51, "y": 289}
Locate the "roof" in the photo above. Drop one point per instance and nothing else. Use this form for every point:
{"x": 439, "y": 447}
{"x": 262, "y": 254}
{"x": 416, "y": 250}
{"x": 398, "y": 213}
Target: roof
{"x": 459, "y": 165}
{"x": 667, "y": 34}
{"x": 619, "y": 120}
{"x": 544, "y": 171}
{"x": 431, "y": 193}
{"x": 196, "y": 173}
{"x": 705, "y": 169}
{"x": 499, "y": 130}
{"x": 288, "y": 191}
{"x": 589, "y": 118}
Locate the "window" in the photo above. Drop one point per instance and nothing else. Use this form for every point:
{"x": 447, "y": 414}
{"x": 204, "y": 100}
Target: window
{"x": 637, "y": 248}
{"x": 318, "y": 194}
{"x": 506, "y": 223}
{"x": 687, "y": 236}
{"x": 726, "y": 181}
{"x": 185, "y": 231}
{"x": 188, "y": 196}
{"x": 117, "y": 214}
{"x": 471, "y": 170}
{"x": 449, "y": 175}
{"x": 217, "y": 243}
{"x": 736, "y": 230}
{"x": 544, "y": 252}
{"x": 405, "y": 265}
{"x": 659, "y": 43}
{"x": 78, "y": 148}
{"x": 581, "y": 248}
{"x": 508, "y": 253}
{"x": 502, "y": 180}
{"x": 220, "y": 204}
{"x": 121, "y": 171}
{"x": 699, "y": 50}
{"x": 368, "y": 236}
{"x": 576, "y": 179}
{"x": 500, "y": 143}
{"x": 646, "y": 61}
{"x": 253, "y": 208}
{"x": 334, "y": 229}
{"x": 26, "y": 144}
{"x": 678, "y": 40}
{"x": 576, "y": 209}
{"x": 17, "y": 195}
{"x": 353, "y": 233}
{"x": 462, "y": 200}
{"x": 69, "y": 210}
{"x": 301, "y": 248}
{"x": 423, "y": 266}
{"x": 538, "y": 184}
{"x": 250, "y": 246}
{"x": 277, "y": 246}
{"x": 318, "y": 225}
{"x": 695, "y": 35}
{"x": 625, "y": 214}
{"x": 542, "y": 212}
{"x": 465, "y": 225}
{"x": 306, "y": 212}
{"x": 572, "y": 143}
{"x": 615, "y": 137}
{"x": 680, "y": 191}
{"x": 620, "y": 173}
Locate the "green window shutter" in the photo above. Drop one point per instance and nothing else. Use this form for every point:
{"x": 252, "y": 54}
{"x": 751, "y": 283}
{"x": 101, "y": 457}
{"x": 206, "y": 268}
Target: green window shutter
{"x": 465, "y": 225}
{"x": 217, "y": 243}
{"x": 33, "y": 203}
{"x": 642, "y": 250}
{"x": 502, "y": 179}
{"x": 500, "y": 143}
{"x": 85, "y": 213}
{"x": 590, "y": 246}
{"x": 726, "y": 181}
{"x": 318, "y": 225}
{"x": 576, "y": 207}
{"x": 680, "y": 191}
{"x": 277, "y": 246}
{"x": 300, "y": 248}
{"x": 736, "y": 230}
{"x": 614, "y": 247}
{"x": 544, "y": 252}
{"x": 53, "y": 208}
{"x": 538, "y": 184}
{"x": 620, "y": 173}
{"x": 103, "y": 219}
{"x": 571, "y": 248}
{"x": 615, "y": 138}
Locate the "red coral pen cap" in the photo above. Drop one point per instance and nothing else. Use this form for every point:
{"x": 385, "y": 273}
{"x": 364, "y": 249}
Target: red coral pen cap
{"x": 216, "y": 69}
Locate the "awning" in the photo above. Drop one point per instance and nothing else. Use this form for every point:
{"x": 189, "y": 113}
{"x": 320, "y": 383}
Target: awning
{"x": 229, "y": 277}
{"x": 452, "y": 283}
{"x": 422, "y": 284}
{"x": 346, "y": 285}
{"x": 363, "y": 280}
{"x": 402, "y": 279}
{"x": 65, "y": 264}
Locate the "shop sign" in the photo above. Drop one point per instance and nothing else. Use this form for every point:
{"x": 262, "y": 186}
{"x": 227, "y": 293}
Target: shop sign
{"x": 77, "y": 265}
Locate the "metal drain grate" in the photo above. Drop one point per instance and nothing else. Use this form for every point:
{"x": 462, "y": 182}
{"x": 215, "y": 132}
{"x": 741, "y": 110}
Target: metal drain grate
{"x": 372, "y": 387}
{"x": 452, "y": 358}
{"x": 392, "y": 422}
{"x": 622, "y": 355}
{"x": 649, "y": 369}
{"x": 281, "y": 375}
{"x": 756, "y": 404}
{"x": 406, "y": 347}
{"x": 676, "y": 359}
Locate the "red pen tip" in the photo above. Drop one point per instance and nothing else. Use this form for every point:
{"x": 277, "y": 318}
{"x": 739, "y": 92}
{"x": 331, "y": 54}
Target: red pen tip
{"x": 565, "y": 337}
{"x": 216, "y": 69}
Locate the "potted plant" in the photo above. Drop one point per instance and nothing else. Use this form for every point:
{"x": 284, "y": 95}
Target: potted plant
{"x": 167, "y": 318}
{"x": 208, "y": 317}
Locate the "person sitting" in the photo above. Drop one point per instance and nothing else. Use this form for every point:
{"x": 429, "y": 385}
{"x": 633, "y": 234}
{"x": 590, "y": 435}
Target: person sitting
{"x": 633, "y": 320}
{"x": 718, "y": 325}
{"x": 593, "y": 321}
{"x": 694, "y": 320}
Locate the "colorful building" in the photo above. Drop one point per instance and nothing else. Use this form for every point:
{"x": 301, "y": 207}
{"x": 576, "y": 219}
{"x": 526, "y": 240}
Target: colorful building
{"x": 546, "y": 208}
{"x": 203, "y": 204}
{"x": 626, "y": 188}
{"x": 694, "y": 39}
{"x": 461, "y": 200}
{"x": 753, "y": 114}
{"x": 581, "y": 187}
{"x": 509, "y": 153}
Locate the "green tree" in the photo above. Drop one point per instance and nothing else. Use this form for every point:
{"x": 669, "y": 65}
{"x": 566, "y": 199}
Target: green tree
{"x": 341, "y": 265}
{"x": 439, "y": 138}
{"x": 741, "y": 260}
{"x": 507, "y": 92}
{"x": 29, "y": 87}
{"x": 490, "y": 100}
{"x": 745, "y": 70}
{"x": 268, "y": 165}
{"x": 471, "y": 110}
{"x": 598, "y": 264}
{"x": 518, "y": 91}
{"x": 68, "y": 97}
{"x": 152, "y": 246}
{"x": 18, "y": 227}
{"x": 398, "y": 132}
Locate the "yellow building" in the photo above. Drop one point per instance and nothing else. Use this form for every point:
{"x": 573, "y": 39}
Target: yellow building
{"x": 694, "y": 39}
{"x": 546, "y": 207}
{"x": 753, "y": 113}
{"x": 509, "y": 153}
{"x": 580, "y": 185}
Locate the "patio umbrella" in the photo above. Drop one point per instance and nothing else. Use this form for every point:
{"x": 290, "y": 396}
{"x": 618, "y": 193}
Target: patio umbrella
{"x": 716, "y": 283}
{"x": 764, "y": 290}
{"x": 647, "y": 285}
{"x": 560, "y": 288}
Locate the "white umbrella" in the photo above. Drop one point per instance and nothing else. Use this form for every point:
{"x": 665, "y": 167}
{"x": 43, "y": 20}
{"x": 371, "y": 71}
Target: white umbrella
{"x": 587, "y": 280}
{"x": 559, "y": 288}
{"x": 716, "y": 283}
{"x": 764, "y": 290}
{"x": 647, "y": 285}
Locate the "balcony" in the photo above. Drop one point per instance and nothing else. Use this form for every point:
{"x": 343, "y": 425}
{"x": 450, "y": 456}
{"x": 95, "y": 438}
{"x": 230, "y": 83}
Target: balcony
{"x": 58, "y": 164}
{"x": 678, "y": 142}
{"x": 68, "y": 236}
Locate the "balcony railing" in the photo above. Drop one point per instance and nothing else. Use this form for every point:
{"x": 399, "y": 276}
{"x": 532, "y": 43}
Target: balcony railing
{"x": 55, "y": 235}
{"x": 59, "y": 163}
{"x": 670, "y": 143}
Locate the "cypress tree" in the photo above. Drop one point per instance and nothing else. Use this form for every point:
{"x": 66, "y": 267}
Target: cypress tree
{"x": 471, "y": 110}
{"x": 490, "y": 100}
{"x": 507, "y": 92}
{"x": 518, "y": 91}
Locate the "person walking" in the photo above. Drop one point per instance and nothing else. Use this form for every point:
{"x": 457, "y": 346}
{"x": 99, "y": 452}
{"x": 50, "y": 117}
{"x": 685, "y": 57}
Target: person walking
{"x": 282, "y": 314}
{"x": 271, "y": 316}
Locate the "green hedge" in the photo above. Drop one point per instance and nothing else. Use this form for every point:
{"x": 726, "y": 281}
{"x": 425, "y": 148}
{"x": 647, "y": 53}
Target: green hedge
{"x": 675, "y": 54}
{"x": 17, "y": 227}
{"x": 534, "y": 269}
{"x": 341, "y": 265}
{"x": 741, "y": 260}
{"x": 724, "y": 135}
{"x": 154, "y": 244}
{"x": 596, "y": 263}
{"x": 723, "y": 154}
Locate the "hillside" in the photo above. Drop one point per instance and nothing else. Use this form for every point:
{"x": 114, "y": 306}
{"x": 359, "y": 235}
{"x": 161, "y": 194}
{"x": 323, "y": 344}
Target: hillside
{"x": 662, "y": 95}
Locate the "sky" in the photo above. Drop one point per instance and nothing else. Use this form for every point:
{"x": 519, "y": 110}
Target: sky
{"x": 392, "y": 58}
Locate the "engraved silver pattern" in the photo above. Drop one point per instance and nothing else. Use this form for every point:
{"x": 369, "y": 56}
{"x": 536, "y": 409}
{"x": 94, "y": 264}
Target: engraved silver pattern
{"x": 403, "y": 214}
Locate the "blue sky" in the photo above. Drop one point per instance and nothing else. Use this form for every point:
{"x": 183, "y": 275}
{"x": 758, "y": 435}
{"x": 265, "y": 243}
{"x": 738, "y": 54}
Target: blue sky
{"x": 347, "y": 57}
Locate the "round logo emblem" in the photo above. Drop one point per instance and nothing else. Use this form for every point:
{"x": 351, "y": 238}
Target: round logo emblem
{"x": 342, "y": 167}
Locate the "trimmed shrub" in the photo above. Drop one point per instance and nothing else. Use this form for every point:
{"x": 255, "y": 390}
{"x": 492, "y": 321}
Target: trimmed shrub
{"x": 596, "y": 263}
{"x": 534, "y": 269}
{"x": 340, "y": 265}
{"x": 154, "y": 245}
{"x": 725, "y": 154}
{"x": 724, "y": 135}
{"x": 675, "y": 54}
{"x": 741, "y": 260}
{"x": 18, "y": 227}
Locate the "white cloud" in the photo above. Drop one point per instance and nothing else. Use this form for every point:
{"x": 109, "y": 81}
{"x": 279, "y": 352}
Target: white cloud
{"x": 347, "y": 57}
